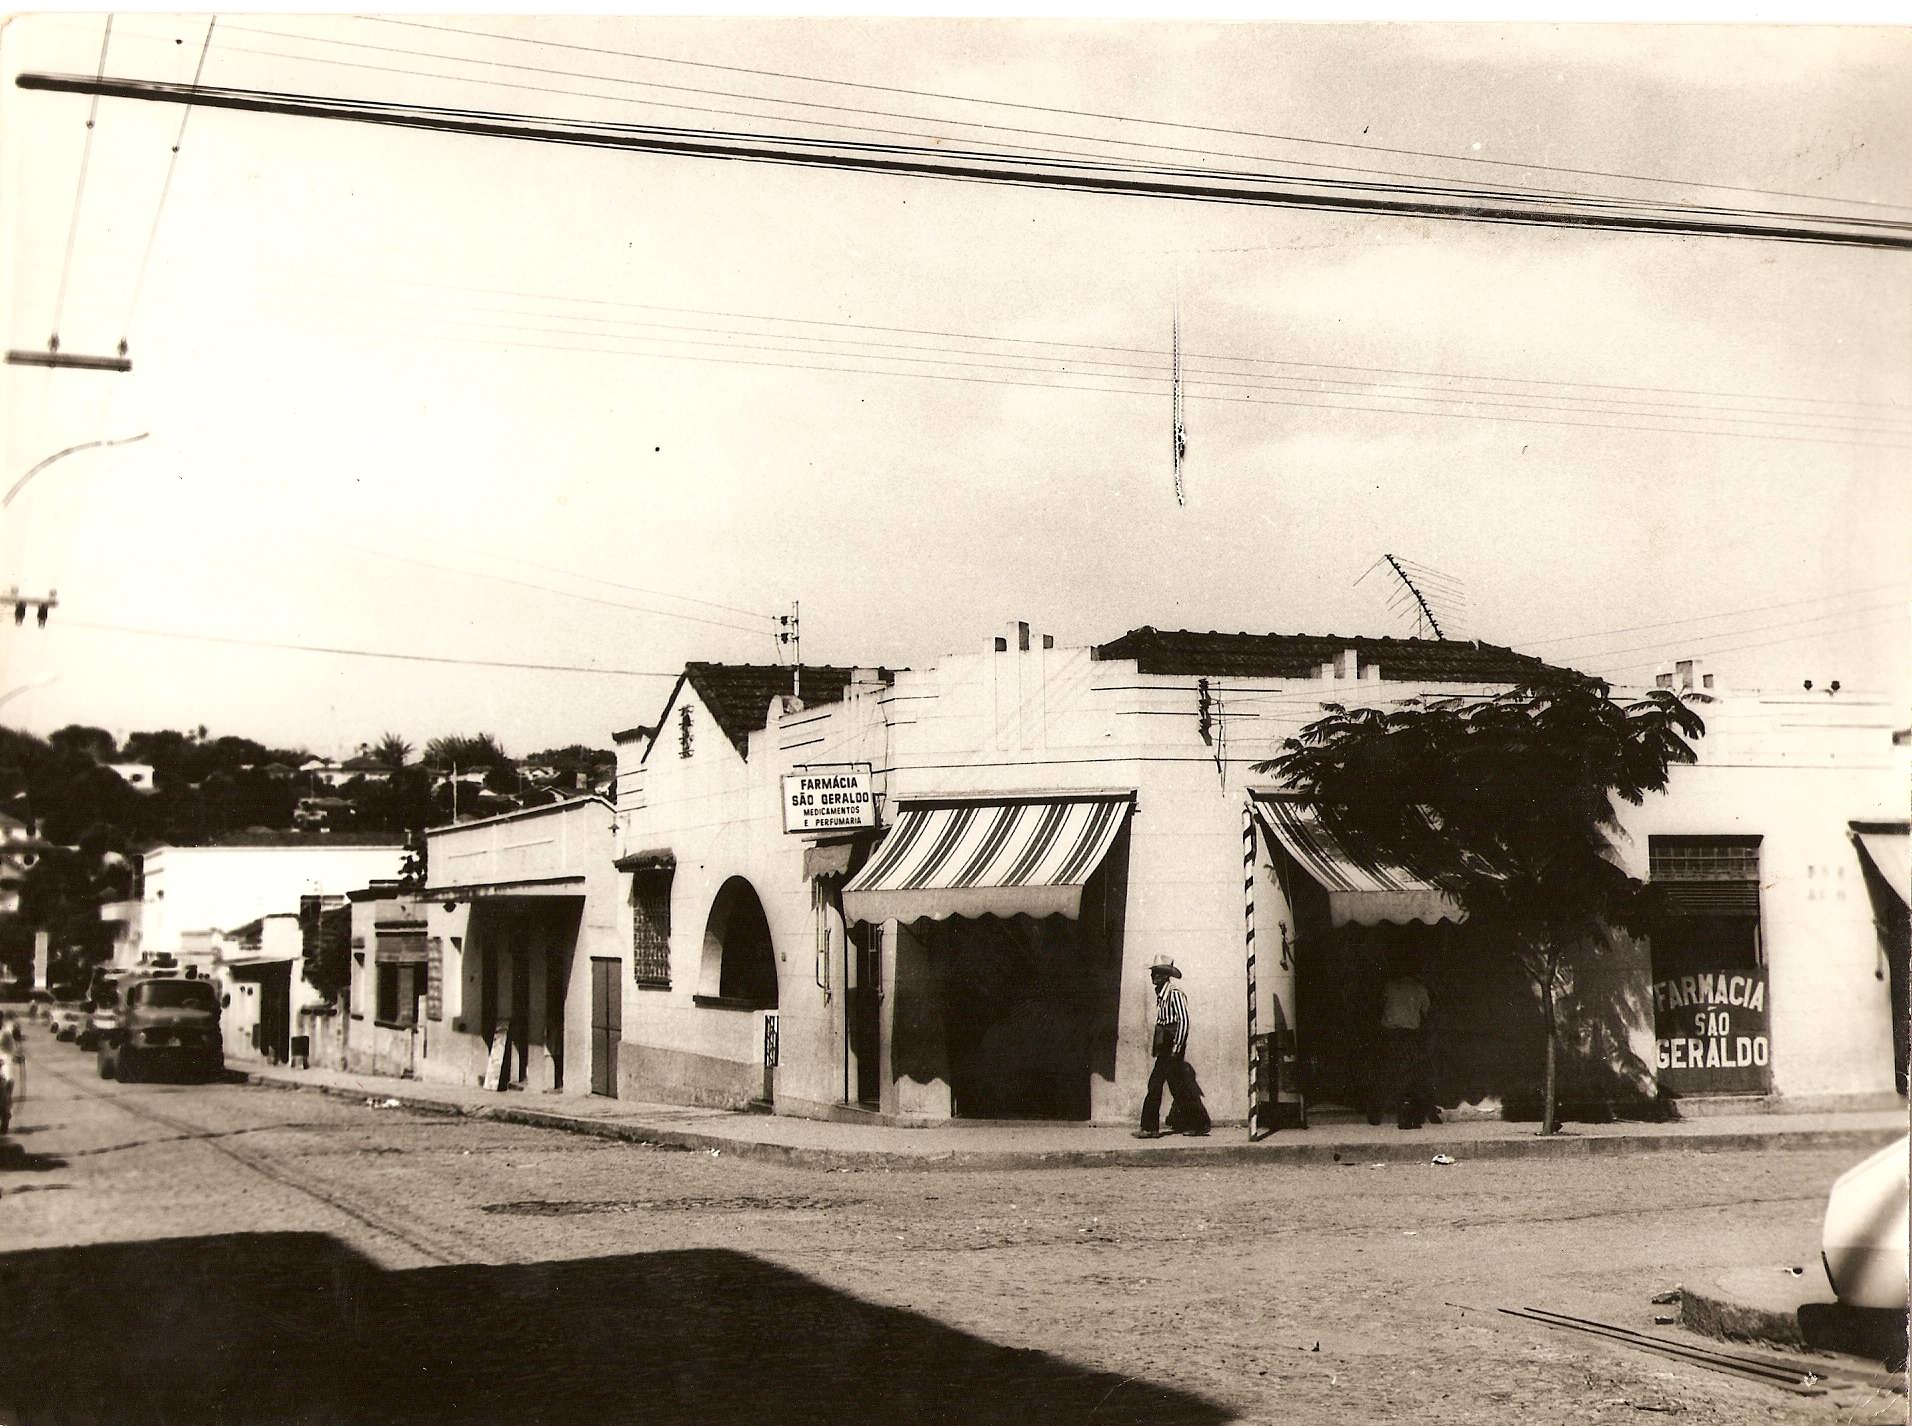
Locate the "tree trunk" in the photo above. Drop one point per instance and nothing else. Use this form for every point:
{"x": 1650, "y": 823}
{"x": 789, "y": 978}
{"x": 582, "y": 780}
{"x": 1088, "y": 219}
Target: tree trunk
{"x": 1549, "y": 1116}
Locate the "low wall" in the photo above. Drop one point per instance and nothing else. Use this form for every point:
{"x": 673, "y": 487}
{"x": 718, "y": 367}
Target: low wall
{"x": 661, "y": 1076}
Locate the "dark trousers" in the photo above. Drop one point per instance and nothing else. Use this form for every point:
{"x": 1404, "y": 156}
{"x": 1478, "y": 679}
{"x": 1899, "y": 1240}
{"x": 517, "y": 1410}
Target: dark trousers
{"x": 1403, "y": 1080}
{"x": 1186, "y": 1113}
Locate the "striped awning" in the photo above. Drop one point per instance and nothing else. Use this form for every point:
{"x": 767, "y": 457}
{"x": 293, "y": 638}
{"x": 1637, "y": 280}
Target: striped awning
{"x": 1889, "y": 849}
{"x": 1357, "y": 893}
{"x": 1012, "y": 858}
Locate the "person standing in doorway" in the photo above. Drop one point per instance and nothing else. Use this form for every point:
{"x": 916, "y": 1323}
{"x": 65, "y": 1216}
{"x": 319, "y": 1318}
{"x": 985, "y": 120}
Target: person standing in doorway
{"x": 1170, "y": 1046}
{"x": 1405, "y": 1008}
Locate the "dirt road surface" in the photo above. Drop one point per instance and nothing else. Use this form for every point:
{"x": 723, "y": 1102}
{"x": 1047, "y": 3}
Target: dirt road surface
{"x": 224, "y": 1253}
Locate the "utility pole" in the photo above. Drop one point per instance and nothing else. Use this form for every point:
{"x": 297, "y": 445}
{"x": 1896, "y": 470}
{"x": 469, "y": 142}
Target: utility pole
{"x": 42, "y": 604}
{"x": 790, "y": 631}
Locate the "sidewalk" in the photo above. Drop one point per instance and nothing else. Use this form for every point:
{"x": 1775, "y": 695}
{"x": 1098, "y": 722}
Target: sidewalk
{"x": 813, "y": 1143}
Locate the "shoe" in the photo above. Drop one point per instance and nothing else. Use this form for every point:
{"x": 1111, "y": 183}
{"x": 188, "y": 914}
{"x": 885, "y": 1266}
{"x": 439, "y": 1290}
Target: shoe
{"x": 1374, "y": 1116}
{"x": 1146, "y": 1134}
{"x": 1195, "y": 1133}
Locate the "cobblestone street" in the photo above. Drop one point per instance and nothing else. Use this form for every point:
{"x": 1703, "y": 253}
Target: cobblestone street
{"x": 230, "y": 1253}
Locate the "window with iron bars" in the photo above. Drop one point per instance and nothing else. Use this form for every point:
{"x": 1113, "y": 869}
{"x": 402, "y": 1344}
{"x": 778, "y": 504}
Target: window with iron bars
{"x": 651, "y": 928}
{"x": 1703, "y": 858}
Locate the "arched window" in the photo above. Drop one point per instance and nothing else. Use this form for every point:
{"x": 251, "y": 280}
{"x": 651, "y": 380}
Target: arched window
{"x": 739, "y": 963}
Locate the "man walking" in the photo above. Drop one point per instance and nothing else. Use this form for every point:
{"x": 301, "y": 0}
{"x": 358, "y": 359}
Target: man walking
{"x": 1171, "y": 1064}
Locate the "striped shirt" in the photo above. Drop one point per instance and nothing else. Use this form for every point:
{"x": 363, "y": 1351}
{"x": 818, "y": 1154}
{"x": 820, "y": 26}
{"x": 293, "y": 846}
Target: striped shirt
{"x": 1171, "y": 1021}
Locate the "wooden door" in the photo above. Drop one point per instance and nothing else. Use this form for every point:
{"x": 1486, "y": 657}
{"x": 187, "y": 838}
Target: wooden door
{"x": 607, "y": 1025}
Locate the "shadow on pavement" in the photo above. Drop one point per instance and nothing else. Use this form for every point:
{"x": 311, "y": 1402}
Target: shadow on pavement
{"x": 295, "y": 1327}
{"x": 14, "y": 1159}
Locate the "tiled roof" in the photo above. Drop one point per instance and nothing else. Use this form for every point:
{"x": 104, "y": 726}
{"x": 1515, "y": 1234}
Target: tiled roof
{"x": 738, "y": 695}
{"x": 1172, "y": 651}
{"x": 393, "y": 840}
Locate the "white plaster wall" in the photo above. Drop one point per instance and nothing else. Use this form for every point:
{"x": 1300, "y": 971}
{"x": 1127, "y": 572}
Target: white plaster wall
{"x": 191, "y": 889}
{"x": 1794, "y": 772}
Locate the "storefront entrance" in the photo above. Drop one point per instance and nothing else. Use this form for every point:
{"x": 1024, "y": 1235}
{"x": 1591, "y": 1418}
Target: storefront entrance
{"x": 1710, "y": 1008}
{"x": 1020, "y": 1013}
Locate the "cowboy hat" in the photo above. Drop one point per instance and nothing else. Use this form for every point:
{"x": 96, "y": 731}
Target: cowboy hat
{"x": 1164, "y": 965}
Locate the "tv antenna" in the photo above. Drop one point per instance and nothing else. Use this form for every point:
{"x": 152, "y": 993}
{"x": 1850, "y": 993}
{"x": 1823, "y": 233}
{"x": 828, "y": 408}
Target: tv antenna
{"x": 1175, "y": 382}
{"x": 1422, "y": 591}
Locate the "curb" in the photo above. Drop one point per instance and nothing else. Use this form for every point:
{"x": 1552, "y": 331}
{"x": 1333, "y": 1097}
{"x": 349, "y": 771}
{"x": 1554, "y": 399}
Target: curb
{"x": 1815, "y": 1326}
{"x": 1274, "y": 1150}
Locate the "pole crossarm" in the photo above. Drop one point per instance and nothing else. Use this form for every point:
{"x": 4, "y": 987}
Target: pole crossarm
{"x": 68, "y": 360}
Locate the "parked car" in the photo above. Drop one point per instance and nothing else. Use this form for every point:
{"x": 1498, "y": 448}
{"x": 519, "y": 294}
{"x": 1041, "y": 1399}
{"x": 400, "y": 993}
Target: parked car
{"x": 102, "y": 998}
{"x": 67, "y": 1020}
{"x": 1864, "y": 1244}
{"x": 165, "y": 1022}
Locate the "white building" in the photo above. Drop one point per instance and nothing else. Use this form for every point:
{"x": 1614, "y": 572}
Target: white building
{"x": 1048, "y": 820}
{"x": 190, "y": 894}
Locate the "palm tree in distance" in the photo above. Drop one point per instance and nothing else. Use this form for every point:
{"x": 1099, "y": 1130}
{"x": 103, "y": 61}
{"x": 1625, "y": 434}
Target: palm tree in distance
{"x": 392, "y": 751}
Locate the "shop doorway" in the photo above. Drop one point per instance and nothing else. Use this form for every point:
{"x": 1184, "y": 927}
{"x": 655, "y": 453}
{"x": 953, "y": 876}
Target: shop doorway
{"x": 1020, "y": 1013}
{"x": 863, "y": 1011}
{"x": 1710, "y": 1009}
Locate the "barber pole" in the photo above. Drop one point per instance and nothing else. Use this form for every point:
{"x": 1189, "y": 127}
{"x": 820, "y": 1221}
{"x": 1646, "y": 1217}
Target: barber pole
{"x": 1248, "y": 931}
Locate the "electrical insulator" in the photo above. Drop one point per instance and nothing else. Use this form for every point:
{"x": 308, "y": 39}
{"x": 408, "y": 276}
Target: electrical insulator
{"x": 1205, "y": 711}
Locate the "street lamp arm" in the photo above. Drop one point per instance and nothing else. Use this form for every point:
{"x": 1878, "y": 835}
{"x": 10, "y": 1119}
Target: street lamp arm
{"x": 20, "y": 484}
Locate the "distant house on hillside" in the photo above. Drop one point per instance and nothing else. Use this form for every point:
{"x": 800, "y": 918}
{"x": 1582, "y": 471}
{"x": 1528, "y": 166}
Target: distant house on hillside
{"x": 313, "y": 813}
{"x": 138, "y": 776}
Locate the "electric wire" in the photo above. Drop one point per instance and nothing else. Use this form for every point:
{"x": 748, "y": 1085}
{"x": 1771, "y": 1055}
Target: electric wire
{"x": 518, "y": 344}
{"x": 993, "y": 169}
{"x": 1769, "y": 643}
{"x": 591, "y": 578}
{"x": 1899, "y": 411}
{"x": 1502, "y": 191}
{"x": 1148, "y": 371}
{"x": 340, "y": 651}
{"x": 165, "y": 189}
{"x": 79, "y": 192}
{"x": 1688, "y": 641}
{"x": 1123, "y": 118}
{"x": 1425, "y": 182}
{"x": 408, "y": 72}
{"x": 1099, "y": 160}
{"x": 1721, "y": 614}
{"x": 765, "y": 632}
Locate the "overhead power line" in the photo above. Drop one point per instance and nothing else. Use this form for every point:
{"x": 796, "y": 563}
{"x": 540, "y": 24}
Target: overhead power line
{"x": 1721, "y": 614}
{"x": 765, "y": 631}
{"x": 1895, "y": 408}
{"x": 808, "y": 105}
{"x": 1119, "y": 370}
{"x": 1115, "y": 118}
{"x": 1213, "y": 390}
{"x": 1769, "y": 643}
{"x": 79, "y": 195}
{"x": 1396, "y": 200}
{"x": 166, "y": 187}
{"x": 1596, "y": 655}
{"x": 365, "y": 653}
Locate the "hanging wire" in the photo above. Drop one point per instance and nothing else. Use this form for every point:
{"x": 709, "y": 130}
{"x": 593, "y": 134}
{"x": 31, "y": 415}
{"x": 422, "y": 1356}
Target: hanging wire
{"x": 79, "y": 192}
{"x": 165, "y": 188}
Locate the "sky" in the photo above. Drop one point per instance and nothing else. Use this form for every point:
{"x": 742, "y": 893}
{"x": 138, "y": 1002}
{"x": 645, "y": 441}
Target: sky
{"x": 459, "y": 398}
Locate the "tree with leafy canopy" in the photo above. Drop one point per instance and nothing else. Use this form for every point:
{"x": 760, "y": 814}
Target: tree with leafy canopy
{"x": 392, "y": 751}
{"x": 467, "y": 751}
{"x": 1507, "y": 804}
